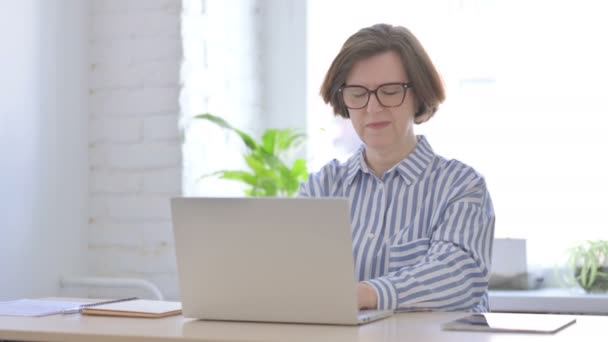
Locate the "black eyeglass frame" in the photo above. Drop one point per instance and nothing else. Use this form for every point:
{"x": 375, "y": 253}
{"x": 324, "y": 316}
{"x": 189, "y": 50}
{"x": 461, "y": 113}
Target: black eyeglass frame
{"x": 405, "y": 86}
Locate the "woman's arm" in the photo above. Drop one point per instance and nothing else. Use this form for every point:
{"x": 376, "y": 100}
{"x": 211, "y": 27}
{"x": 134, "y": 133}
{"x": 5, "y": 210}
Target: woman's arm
{"x": 449, "y": 271}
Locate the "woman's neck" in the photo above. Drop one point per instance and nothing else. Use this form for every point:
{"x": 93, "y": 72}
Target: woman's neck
{"x": 381, "y": 160}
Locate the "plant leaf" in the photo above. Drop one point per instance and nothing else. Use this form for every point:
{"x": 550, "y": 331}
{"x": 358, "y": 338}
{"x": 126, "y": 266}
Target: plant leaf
{"x": 247, "y": 139}
{"x": 213, "y": 174}
{"x": 583, "y": 276}
{"x": 256, "y": 165}
{"x": 289, "y": 139}
{"x": 300, "y": 170}
{"x": 592, "y": 271}
{"x": 269, "y": 140}
{"x": 271, "y": 160}
{"x": 269, "y": 185}
{"x": 242, "y": 176}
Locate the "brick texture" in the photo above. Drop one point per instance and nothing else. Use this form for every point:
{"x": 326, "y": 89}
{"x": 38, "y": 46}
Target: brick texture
{"x": 140, "y": 80}
{"x": 135, "y": 146}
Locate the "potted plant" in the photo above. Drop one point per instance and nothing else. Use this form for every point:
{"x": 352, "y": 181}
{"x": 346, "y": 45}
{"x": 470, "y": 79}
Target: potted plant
{"x": 269, "y": 174}
{"x": 588, "y": 262}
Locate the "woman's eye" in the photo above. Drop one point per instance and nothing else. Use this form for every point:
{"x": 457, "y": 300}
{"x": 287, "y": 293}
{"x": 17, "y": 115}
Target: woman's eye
{"x": 389, "y": 93}
{"x": 356, "y": 93}
{"x": 391, "y": 90}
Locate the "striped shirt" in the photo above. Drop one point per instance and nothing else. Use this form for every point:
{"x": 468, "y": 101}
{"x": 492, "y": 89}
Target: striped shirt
{"x": 422, "y": 235}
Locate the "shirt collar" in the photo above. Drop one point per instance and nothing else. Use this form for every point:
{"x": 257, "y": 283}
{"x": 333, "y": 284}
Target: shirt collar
{"x": 410, "y": 168}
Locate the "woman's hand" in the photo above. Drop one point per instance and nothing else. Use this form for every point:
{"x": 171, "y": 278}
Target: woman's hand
{"x": 366, "y": 297}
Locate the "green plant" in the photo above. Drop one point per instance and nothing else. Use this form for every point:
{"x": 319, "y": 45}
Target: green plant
{"x": 588, "y": 262}
{"x": 269, "y": 174}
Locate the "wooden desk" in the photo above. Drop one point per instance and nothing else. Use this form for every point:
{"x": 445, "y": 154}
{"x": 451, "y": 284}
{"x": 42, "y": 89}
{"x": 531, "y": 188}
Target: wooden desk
{"x": 402, "y": 327}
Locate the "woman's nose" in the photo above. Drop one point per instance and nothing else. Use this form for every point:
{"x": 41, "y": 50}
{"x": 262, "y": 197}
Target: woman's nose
{"x": 373, "y": 105}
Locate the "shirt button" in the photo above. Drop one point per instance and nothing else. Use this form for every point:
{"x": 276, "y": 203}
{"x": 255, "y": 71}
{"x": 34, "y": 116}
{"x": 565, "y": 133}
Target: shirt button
{"x": 370, "y": 236}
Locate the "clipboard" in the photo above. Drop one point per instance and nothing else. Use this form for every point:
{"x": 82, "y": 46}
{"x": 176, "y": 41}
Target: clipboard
{"x": 511, "y": 323}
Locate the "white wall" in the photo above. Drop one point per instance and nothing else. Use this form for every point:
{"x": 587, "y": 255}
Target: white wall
{"x": 134, "y": 147}
{"x": 284, "y": 63}
{"x": 233, "y": 51}
{"x": 89, "y": 121}
{"x": 43, "y": 144}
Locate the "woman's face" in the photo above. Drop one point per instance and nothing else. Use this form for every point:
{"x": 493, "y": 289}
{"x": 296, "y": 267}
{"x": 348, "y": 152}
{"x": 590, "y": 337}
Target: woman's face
{"x": 382, "y": 128}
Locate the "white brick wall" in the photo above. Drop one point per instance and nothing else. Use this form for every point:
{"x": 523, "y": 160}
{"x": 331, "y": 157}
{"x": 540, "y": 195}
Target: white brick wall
{"x": 135, "y": 97}
{"x": 135, "y": 145}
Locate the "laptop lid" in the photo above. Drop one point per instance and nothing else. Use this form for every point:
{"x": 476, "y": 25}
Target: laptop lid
{"x": 265, "y": 259}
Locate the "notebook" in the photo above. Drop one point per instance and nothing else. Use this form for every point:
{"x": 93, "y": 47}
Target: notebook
{"x": 267, "y": 260}
{"x": 135, "y": 308}
{"x": 511, "y": 322}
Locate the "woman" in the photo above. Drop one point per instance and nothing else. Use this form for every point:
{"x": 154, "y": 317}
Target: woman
{"x": 422, "y": 225}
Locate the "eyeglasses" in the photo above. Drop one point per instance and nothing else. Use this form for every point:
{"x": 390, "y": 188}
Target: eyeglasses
{"x": 388, "y": 95}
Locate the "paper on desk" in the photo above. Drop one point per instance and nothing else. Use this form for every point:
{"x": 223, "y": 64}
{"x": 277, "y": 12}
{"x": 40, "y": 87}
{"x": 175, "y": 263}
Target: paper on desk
{"x": 34, "y": 308}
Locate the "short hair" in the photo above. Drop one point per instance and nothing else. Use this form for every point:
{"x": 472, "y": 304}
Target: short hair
{"x": 370, "y": 41}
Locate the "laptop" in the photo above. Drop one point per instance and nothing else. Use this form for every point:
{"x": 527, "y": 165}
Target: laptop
{"x": 267, "y": 260}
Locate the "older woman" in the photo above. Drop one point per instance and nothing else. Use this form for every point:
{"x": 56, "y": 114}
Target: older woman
{"x": 422, "y": 225}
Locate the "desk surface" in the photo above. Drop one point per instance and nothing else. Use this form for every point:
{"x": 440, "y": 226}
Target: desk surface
{"x": 400, "y": 327}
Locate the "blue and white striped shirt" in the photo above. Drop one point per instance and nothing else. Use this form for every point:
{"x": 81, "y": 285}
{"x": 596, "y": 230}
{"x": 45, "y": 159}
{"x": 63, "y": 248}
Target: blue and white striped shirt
{"x": 422, "y": 235}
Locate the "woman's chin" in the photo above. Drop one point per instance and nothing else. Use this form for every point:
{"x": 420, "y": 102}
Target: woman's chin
{"x": 377, "y": 144}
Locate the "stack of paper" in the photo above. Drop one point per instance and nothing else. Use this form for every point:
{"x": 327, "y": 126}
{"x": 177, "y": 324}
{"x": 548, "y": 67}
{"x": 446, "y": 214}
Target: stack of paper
{"x": 34, "y": 308}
